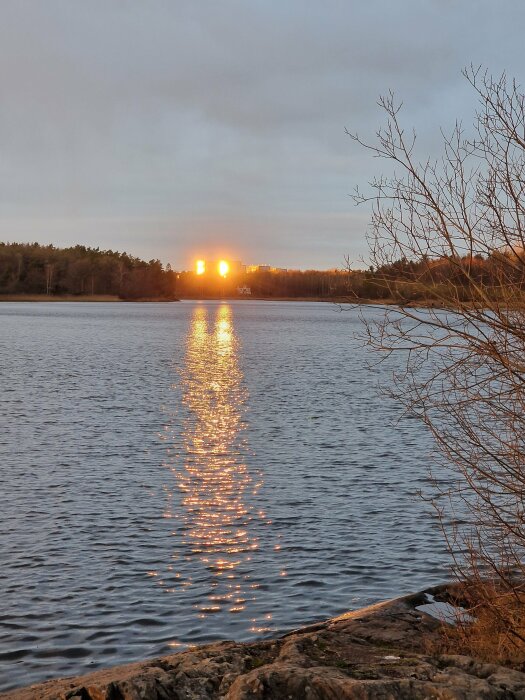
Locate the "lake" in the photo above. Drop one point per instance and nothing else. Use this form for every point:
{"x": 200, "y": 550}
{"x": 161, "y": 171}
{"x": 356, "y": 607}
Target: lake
{"x": 174, "y": 474}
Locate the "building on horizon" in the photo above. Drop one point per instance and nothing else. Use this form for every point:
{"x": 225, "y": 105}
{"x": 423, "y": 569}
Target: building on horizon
{"x": 232, "y": 267}
{"x": 222, "y": 266}
{"x": 259, "y": 268}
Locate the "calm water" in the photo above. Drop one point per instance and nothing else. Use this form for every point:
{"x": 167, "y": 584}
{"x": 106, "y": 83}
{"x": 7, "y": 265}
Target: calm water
{"x": 180, "y": 473}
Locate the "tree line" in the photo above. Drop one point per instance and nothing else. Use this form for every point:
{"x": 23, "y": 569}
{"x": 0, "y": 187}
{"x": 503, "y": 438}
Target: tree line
{"x": 267, "y": 284}
{"x": 445, "y": 280}
{"x": 32, "y": 268}
{"x": 494, "y": 278}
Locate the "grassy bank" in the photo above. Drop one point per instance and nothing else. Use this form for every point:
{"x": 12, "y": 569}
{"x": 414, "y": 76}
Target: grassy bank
{"x": 330, "y": 300}
{"x": 82, "y": 298}
{"x": 58, "y": 297}
{"x": 112, "y": 298}
{"x": 430, "y": 303}
{"x": 326, "y": 300}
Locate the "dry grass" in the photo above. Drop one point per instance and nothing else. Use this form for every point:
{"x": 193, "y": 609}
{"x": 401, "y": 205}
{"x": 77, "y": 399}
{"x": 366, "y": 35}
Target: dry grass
{"x": 65, "y": 297}
{"x": 494, "y": 629}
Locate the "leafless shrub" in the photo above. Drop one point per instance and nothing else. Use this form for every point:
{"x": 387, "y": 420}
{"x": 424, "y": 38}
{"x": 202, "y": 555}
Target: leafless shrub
{"x": 465, "y": 361}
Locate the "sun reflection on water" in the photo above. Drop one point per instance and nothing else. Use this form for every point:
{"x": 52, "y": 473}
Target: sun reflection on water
{"x": 210, "y": 499}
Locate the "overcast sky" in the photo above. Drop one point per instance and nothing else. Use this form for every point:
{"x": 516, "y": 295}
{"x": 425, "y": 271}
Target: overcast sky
{"x": 177, "y": 129}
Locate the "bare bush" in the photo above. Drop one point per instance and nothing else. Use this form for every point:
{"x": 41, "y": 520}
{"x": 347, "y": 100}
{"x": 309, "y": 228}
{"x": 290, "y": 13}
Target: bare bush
{"x": 465, "y": 361}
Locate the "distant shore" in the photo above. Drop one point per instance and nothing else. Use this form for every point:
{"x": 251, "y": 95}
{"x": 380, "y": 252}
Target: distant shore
{"x": 326, "y": 300}
{"x": 114, "y": 298}
{"x": 109, "y": 298}
{"x": 430, "y": 303}
{"x": 80, "y": 298}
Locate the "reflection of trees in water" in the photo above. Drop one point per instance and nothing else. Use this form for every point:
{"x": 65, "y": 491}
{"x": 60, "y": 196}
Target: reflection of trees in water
{"x": 215, "y": 542}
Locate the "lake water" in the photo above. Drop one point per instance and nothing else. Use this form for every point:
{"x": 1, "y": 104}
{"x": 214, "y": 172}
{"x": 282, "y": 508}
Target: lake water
{"x": 173, "y": 474}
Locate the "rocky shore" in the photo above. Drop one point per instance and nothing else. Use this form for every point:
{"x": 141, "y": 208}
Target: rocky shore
{"x": 380, "y": 652}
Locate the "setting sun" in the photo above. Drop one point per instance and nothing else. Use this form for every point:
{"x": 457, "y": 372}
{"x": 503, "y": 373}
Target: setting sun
{"x": 224, "y": 268}
{"x": 200, "y": 267}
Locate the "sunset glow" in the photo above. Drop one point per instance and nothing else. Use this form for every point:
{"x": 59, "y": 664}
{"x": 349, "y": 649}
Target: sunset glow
{"x": 224, "y": 268}
{"x": 200, "y": 267}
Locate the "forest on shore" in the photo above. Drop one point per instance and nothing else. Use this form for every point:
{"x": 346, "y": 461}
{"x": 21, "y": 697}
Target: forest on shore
{"x": 32, "y": 268}
{"x": 35, "y": 269}
{"x": 497, "y": 277}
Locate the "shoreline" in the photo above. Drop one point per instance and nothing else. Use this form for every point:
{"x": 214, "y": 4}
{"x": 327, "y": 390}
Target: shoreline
{"x": 81, "y": 298}
{"x": 340, "y": 301}
{"x": 324, "y": 300}
{"x": 382, "y": 651}
{"x": 107, "y": 298}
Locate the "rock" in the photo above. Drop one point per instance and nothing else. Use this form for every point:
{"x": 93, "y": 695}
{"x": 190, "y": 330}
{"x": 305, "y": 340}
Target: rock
{"x": 377, "y": 653}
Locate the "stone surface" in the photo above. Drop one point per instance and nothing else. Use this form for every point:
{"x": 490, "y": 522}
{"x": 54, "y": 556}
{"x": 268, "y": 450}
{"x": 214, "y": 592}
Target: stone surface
{"x": 377, "y": 653}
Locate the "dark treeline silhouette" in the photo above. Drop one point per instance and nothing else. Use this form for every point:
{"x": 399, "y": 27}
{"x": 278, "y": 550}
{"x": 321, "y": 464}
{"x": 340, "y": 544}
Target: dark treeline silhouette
{"x": 441, "y": 280}
{"x": 290, "y": 283}
{"x": 498, "y": 277}
{"x": 31, "y": 268}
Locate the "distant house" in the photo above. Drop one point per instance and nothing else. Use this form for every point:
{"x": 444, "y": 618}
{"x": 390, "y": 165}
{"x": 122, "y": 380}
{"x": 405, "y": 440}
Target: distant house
{"x": 258, "y": 268}
{"x": 244, "y": 291}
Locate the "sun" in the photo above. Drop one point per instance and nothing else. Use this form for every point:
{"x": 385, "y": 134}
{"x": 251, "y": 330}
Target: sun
{"x": 200, "y": 267}
{"x": 223, "y": 268}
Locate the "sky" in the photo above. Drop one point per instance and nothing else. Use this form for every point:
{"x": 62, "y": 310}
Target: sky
{"x": 175, "y": 130}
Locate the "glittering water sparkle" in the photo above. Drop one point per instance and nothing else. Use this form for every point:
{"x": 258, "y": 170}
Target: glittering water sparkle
{"x": 174, "y": 474}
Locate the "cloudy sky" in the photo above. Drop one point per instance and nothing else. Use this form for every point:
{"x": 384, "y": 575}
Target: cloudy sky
{"x": 172, "y": 129}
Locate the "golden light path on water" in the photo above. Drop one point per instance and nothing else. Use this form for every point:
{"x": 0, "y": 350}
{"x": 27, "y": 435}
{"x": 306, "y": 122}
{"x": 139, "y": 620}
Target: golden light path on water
{"x": 212, "y": 489}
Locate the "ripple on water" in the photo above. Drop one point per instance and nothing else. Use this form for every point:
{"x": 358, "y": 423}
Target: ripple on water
{"x": 178, "y": 474}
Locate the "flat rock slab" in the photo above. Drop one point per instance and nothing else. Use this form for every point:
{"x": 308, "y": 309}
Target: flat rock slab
{"x": 378, "y": 653}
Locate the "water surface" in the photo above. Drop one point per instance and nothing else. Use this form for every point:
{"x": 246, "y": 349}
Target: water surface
{"x": 174, "y": 474}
